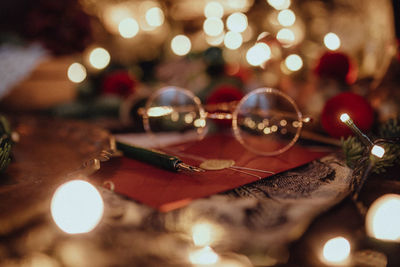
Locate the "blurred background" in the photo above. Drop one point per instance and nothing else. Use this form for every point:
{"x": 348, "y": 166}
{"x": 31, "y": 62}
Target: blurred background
{"x": 102, "y": 59}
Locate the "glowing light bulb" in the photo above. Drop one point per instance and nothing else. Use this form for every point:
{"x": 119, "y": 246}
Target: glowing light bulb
{"x": 205, "y": 256}
{"x": 279, "y": 4}
{"x": 99, "y": 58}
{"x": 332, "y": 41}
{"x": 286, "y": 17}
{"x": 285, "y": 36}
{"x": 258, "y": 54}
{"x": 202, "y": 234}
{"x": 154, "y": 17}
{"x": 77, "y": 207}
{"x": 76, "y": 72}
{"x": 181, "y": 45}
{"x": 294, "y": 62}
{"x": 213, "y": 9}
{"x": 383, "y": 218}
{"x": 344, "y": 117}
{"x": 336, "y": 251}
{"x": 237, "y": 22}
{"x": 128, "y": 28}
{"x": 233, "y": 40}
{"x": 378, "y": 151}
{"x": 213, "y": 26}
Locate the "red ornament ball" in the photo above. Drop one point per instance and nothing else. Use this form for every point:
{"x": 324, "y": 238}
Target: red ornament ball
{"x": 357, "y": 107}
{"x": 120, "y": 82}
{"x": 334, "y": 65}
{"x": 224, "y": 94}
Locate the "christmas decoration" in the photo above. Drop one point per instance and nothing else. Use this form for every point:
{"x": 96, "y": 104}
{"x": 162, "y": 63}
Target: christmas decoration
{"x": 389, "y": 134}
{"x": 120, "y": 83}
{"x": 354, "y": 105}
{"x": 334, "y": 65}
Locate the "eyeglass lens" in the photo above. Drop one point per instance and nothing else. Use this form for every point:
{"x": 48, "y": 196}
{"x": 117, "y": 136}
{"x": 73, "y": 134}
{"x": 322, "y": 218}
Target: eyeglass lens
{"x": 266, "y": 121}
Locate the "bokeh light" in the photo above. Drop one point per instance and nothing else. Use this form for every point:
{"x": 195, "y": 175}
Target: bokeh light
{"x": 383, "y": 218}
{"x": 99, "y": 58}
{"x": 285, "y": 36}
{"x": 213, "y": 26}
{"x": 279, "y": 4}
{"x": 258, "y": 54}
{"x": 77, "y": 207}
{"x": 202, "y": 234}
{"x": 336, "y": 251}
{"x": 286, "y": 17}
{"x": 233, "y": 40}
{"x": 215, "y": 40}
{"x": 76, "y": 72}
{"x": 155, "y": 17}
{"x": 213, "y": 9}
{"x": 237, "y": 22}
{"x": 203, "y": 256}
{"x": 332, "y": 41}
{"x": 181, "y": 45}
{"x": 128, "y": 28}
{"x": 294, "y": 62}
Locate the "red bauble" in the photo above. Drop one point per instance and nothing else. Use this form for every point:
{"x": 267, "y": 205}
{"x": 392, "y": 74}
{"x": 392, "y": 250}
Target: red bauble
{"x": 224, "y": 94}
{"x": 120, "y": 83}
{"x": 335, "y": 65}
{"x": 358, "y": 108}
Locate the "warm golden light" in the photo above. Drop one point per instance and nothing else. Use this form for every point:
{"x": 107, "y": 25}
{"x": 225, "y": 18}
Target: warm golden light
{"x": 237, "y": 22}
{"x": 202, "y": 234}
{"x": 286, "y": 17}
{"x": 159, "y": 111}
{"x": 76, "y": 72}
{"x": 378, "y": 151}
{"x": 181, "y": 45}
{"x": 233, "y": 40}
{"x": 285, "y": 36}
{"x": 336, "y": 251}
{"x": 383, "y": 218}
{"x": 279, "y": 4}
{"x": 99, "y": 58}
{"x": 213, "y": 26}
{"x": 155, "y": 17}
{"x": 258, "y": 54}
{"x": 204, "y": 256}
{"x": 77, "y": 207}
{"x": 344, "y": 117}
{"x": 213, "y": 9}
{"x": 332, "y": 41}
{"x": 294, "y": 62}
{"x": 200, "y": 123}
{"x": 128, "y": 28}
{"x": 215, "y": 40}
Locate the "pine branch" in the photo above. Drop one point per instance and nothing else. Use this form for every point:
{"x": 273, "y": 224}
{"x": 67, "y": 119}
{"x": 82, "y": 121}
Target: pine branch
{"x": 354, "y": 150}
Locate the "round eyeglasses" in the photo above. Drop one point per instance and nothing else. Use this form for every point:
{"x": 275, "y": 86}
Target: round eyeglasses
{"x": 266, "y": 121}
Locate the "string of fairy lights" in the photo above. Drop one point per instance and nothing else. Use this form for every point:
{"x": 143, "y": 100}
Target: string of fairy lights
{"x": 229, "y": 31}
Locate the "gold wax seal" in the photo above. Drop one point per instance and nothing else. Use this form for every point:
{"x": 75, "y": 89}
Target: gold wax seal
{"x": 217, "y": 164}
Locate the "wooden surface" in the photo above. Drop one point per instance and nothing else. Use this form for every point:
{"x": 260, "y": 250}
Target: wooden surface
{"x": 49, "y": 152}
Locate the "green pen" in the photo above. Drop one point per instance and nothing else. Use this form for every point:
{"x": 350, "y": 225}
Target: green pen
{"x": 156, "y": 158}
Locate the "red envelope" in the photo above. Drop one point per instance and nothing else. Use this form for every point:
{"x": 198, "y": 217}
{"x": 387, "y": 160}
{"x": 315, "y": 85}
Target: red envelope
{"x": 165, "y": 190}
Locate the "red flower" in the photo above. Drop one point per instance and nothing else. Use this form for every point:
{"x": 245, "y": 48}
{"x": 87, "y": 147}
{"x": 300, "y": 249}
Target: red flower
{"x": 120, "y": 83}
{"x": 334, "y": 65}
{"x": 224, "y": 94}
